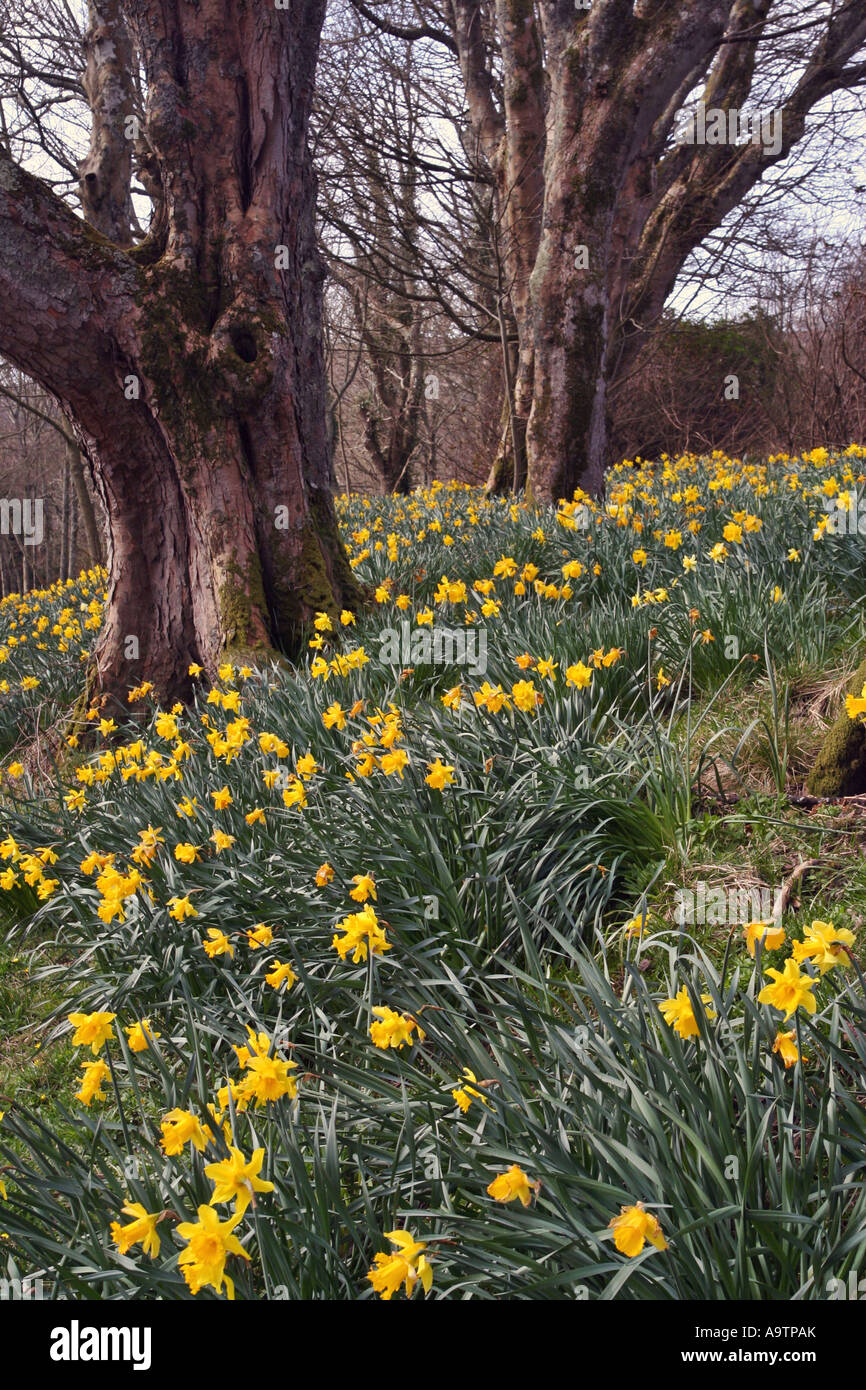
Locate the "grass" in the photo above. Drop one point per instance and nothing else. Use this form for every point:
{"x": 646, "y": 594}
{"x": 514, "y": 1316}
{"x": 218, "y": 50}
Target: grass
{"x": 32, "y": 1068}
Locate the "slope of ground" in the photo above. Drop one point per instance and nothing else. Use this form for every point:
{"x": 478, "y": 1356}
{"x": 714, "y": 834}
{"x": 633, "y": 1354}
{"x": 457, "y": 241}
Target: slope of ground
{"x": 464, "y": 927}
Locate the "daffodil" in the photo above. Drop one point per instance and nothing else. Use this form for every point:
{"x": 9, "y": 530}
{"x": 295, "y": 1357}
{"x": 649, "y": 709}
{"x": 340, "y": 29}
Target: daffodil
{"x": 334, "y": 717}
{"x": 362, "y": 933}
{"x": 679, "y": 1013}
{"x": 393, "y": 1029}
{"x": 465, "y": 1094}
{"x": 180, "y": 909}
{"x": 824, "y": 946}
{"x": 394, "y": 762}
{"x": 525, "y": 696}
{"x": 92, "y": 1030}
{"x": 578, "y": 675}
{"x": 633, "y": 1228}
{"x": 406, "y": 1265}
{"x": 95, "y": 1075}
{"x": 280, "y": 974}
{"x": 790, "y": 990}
{"x": 141, "y": 1230}
{"x": 179, "y": 1128}
{"x": 210, "y": 1242}
{"x": 770, "y": 934}
{"x": 218, "y": 944}
{"x": 512, "y": 1186}
{"x": 785, "y": 1046}
{"x": 365, "y": 888}
{"x": 237, "y": 1179}
{"x": 268, "y": 1079}
{"x": 140, "y": 1035}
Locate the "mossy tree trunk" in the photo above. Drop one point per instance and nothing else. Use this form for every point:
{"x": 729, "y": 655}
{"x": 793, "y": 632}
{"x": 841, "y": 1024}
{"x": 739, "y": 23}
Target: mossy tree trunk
{"x": 191, "y": 364}
{"x": 840, "y": 767}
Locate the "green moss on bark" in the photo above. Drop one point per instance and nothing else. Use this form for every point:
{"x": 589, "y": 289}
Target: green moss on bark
{"x": 179, "y": 372}
{"x": 242, "y": 594}
{"x": 320, "y": 581}
{"x": 349, "y": 591}
{"x": 146, "y": 253}
{"x": 840, "y": 768}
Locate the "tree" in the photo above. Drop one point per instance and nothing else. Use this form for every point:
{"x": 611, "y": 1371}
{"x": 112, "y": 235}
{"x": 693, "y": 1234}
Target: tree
{"x": 674, "y": 401}
{"x": 407, "y": 234}
{"x": 579, "y": 111}
{"x": 24, "y": 404}
{"x": 387, "y": 313}
{"x": 189, "y": 362}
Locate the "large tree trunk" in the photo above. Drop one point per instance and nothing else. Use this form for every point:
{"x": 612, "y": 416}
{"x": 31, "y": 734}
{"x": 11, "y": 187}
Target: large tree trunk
{"x": 608, "y": 91}
{"x": 192, "y": 365}
{"x": 615, "y": 185}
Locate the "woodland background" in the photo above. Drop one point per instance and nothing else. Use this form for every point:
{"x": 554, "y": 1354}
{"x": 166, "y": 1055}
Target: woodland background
{"x": 419, "y": 336}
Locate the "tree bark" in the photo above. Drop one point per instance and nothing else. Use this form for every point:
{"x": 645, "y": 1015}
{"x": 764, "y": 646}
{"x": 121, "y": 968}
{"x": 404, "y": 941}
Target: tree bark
{"x": 609, "y": 87}
{"x": 388, "y": 327}
{"x": 71, "y": 547}
{"x": 192, "y": 363}
{"x": 63, "y": 566}
{"x": 508, "y": 471}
